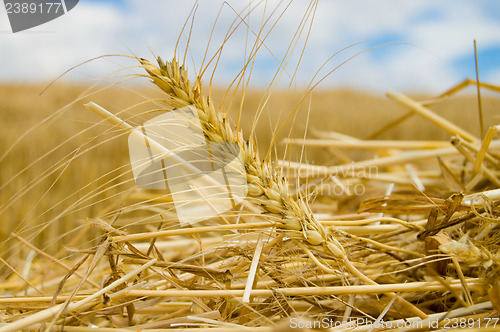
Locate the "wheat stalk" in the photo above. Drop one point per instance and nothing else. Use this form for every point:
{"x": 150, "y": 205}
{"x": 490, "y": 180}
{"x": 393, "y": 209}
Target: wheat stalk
{"x": 264, "y": 183}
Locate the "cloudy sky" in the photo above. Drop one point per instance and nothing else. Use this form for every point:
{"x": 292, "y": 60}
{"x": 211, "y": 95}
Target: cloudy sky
{"x": 409, "y": 45}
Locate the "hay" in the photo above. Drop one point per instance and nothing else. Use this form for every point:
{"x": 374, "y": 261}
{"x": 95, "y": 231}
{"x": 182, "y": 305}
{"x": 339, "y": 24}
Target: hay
{"x": 294, "y": 254}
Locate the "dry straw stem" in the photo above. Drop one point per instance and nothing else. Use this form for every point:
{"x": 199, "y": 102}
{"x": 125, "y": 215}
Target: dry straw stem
{"x": 264, "y": 182}
{"x": 457, "y": 143}
{"x": 6, "y": 301}
{"x": 431, "y": 116}
{"x": 478, "y": 197}
{"x": 53, "y": 259}
{"x": 482, "y": 156}
{"x": 187, "y": 231}
{"x": 439, "y": 317}
{"x": 346, "y": 226}
{"x": 28, "y": 283}
{"x": 137, "y": 134}
{"x": 474, "y": 284}
{"x": 466, "y": 83}
{"x": 367, "y": 144}
{"x": 352, "y": 168}
{"x": 483, "y": 151}
{"x": 53, "y": 311}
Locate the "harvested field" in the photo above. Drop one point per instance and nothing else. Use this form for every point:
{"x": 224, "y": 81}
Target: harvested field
{"x": 343, "y": 211}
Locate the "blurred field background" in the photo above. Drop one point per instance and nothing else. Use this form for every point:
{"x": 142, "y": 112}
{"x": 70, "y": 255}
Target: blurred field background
{"x": 61, "y": 164}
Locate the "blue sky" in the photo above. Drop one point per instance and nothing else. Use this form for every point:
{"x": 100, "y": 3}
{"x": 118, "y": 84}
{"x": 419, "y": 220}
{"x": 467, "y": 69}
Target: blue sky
{"x": 429, "y": 44}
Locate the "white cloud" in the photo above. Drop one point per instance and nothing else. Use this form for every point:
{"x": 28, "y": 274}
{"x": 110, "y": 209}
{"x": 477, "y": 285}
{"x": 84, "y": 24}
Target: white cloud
{"x": 441, "y": 31}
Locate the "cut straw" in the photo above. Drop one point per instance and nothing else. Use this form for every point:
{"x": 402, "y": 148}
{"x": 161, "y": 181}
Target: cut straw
{"x": 251, "y": 280}
{"x": 187, "y": 231}
{"x": 367, "y": 144}
{"x": 431, "y": 116}
{"x": 474, "y": 284}
{"x": 52, "y": 311}
{"x": 485, "y": 144}
{"x": 350, "y": 169}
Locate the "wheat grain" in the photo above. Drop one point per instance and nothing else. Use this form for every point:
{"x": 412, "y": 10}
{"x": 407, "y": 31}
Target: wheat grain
{"x": 264, "y": 183}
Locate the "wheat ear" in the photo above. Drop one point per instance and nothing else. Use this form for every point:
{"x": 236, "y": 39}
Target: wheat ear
{"x": 264, "y": 182}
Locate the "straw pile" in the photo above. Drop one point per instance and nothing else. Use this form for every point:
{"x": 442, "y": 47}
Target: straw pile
{"x": 406, "y": 237}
